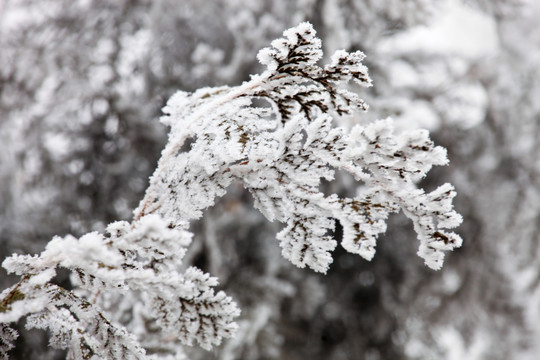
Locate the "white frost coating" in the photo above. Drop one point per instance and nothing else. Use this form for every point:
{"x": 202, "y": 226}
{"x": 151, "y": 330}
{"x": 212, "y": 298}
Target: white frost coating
{"x": 279, "y": 151}
{"x": 142, "y": 256}
{"x": 86, "y": 251}
{"x": 21, "y": 308}
{"x": 282, "y": 158}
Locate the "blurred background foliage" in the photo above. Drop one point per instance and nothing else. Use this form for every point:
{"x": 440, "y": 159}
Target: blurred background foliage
{"x": 81, "y": 87}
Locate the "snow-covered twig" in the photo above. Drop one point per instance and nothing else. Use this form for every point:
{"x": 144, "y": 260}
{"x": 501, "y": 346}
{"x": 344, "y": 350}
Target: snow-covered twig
{"x": 274, "y": 134}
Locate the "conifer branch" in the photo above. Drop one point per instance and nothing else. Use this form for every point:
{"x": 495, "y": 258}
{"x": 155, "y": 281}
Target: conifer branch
{"x": 275, "y": 134}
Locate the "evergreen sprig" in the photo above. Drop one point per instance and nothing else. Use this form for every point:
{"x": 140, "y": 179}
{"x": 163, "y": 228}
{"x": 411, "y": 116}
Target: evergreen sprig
{"x": 275, "y": 134}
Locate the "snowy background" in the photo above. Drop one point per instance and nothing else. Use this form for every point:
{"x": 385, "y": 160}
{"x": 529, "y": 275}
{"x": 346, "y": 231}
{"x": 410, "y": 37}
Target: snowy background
{"x": 81, "y": 88}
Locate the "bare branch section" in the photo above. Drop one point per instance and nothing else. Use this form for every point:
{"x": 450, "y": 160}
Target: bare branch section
{"x": 275, "y": 134}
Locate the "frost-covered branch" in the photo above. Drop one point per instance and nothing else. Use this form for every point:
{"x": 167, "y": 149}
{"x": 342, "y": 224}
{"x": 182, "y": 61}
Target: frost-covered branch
{"x": 141, "y": 257}
{"x": 274, "y": 134}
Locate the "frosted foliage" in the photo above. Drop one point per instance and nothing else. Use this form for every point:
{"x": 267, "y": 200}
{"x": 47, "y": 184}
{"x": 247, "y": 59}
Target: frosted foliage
{"x": 282, "y": 149}
{"x": 7, "y": 337}
{"x": 142, "y": 256}
{"x": 275, "y": 135}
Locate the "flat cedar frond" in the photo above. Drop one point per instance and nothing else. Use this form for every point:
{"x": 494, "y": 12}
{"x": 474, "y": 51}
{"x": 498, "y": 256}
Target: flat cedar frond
{"x": 139, "y": 257}
{"x": 275, "y": 134}
{"x": 281, "y": 152}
